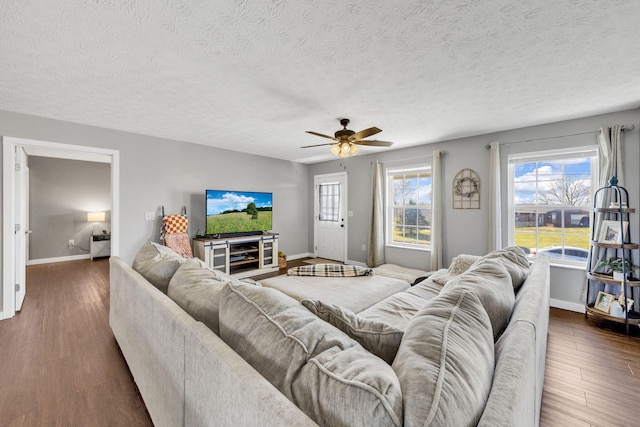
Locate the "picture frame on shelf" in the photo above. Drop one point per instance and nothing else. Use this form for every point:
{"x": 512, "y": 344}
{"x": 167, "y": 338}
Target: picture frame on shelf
{"x": 603, "y": 302}
{"x": 611, "y": 232}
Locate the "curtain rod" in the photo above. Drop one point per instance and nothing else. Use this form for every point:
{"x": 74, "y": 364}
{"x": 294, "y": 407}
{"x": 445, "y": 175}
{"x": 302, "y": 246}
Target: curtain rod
{"x": 430, "y": 156}
{"x": 624, "y": 128}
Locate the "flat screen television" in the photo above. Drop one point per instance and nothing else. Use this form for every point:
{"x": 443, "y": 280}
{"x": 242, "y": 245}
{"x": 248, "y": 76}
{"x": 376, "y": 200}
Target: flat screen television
{"x": 238, "y": 212}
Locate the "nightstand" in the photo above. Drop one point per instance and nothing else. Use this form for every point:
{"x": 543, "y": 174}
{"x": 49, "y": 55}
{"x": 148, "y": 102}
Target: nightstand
{"x": 100, "y": 245}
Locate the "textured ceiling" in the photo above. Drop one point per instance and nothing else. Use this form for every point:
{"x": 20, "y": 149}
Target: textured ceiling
{"x": 253, "y": 76}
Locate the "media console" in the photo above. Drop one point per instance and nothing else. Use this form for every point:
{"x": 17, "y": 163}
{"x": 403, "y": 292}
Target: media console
{"x": 239, "y": 256}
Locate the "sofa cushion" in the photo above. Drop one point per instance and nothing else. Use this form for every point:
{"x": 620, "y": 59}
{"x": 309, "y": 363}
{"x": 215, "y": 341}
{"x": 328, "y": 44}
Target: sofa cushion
{"x": 514, "y": 260}
{"x": 459, "y": 265}
{"x": 318, "y": 367}
{"x": 445, "y": 361}
{"x": 157, "y": 264}
{"x": 490, "y": 281}
{"x": 196, "y": 289}
{"x": 379, "y": 338}
{"x": 409, "y": 275}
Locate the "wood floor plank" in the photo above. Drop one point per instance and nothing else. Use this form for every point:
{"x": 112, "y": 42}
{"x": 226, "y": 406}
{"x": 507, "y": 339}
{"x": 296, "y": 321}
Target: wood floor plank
{"x": 61, "y": 364}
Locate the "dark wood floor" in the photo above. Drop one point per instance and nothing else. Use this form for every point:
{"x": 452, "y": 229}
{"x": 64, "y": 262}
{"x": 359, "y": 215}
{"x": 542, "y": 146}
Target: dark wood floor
{"x": 60, "y": 365}
{"x": 59, "y": 362}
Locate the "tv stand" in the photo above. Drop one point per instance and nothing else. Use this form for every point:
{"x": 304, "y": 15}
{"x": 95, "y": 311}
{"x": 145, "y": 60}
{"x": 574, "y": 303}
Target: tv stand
{"x": 240, "y": 257}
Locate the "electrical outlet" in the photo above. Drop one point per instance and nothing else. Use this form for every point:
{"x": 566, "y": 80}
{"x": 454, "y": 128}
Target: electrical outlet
{"x": 364, "y": 247}
{"x": 149, "y": 216}
{"x": 72, "y": 242}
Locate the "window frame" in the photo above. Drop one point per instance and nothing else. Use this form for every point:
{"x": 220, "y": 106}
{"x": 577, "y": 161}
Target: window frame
{"x": 389, "y": 206}
{"x": 552, "y": 155}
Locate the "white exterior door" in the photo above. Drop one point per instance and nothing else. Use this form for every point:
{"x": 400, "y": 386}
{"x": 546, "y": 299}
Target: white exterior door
{"x": 21, "y": 226}
{"x": 330, "y": 209}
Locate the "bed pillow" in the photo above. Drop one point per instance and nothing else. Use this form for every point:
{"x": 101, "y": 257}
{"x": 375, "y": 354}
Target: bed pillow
{"x": 515, "y": 261}
{"x": 157, "y": 264}
{"x": 318, "y": 367}
{"x": 377, "y": 337}
{"x": 459, "y": 265}
{"x": 330, "y": 270}
{"x": 445, "y": 362}
{"x": 489, "y": 280}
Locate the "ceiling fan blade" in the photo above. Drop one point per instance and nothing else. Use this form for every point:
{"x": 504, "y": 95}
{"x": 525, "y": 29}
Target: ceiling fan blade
{"x": 319, "y": 145}
{"x": 319, "y": 134}
{"x": 365, "y": 133}
{"x": 374, "y": 143}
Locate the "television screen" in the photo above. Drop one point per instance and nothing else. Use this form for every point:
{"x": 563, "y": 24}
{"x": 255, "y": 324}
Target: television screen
{"x": 238, "y": 211}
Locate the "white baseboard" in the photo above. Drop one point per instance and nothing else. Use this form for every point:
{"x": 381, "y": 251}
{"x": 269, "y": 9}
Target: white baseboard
{"x": 298, "y": 256}
{"x": 57, "y": 259}
{"x": 566, "y": 305}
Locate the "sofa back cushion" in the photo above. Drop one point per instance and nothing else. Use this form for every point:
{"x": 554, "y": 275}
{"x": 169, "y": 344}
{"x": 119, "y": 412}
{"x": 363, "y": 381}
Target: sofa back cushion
{"x": 157, "y": 264}
{"x": 489, "y": 280}
{"x": 318, "y": 367}
{"x": 514, "y": 260}
{"x": 196, "y": 289}
{"x": 445, "y": 361}
{"x": 377, "y": 337}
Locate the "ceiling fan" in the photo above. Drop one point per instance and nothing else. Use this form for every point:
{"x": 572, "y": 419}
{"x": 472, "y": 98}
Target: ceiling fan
{"x": 346, "y": 141}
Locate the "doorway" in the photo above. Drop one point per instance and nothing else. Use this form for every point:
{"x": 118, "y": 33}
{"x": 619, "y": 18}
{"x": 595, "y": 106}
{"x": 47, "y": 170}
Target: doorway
{"x": 13, "y": 202}
{"x": 330, "y": 210}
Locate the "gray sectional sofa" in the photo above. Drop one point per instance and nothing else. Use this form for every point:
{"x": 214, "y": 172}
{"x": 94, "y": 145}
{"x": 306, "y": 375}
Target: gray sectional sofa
{"x": 465, "y": 346}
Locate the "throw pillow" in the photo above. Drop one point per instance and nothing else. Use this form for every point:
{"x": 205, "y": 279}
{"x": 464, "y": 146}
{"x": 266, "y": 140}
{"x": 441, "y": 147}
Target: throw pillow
{"x": 157, "y": 264}
{"x": 459, "y": 265}
{"x": 489, "y": 280}
{"x": 379, "y": 338}
{"x": 328, "y": 375}
{"x": 445, "y": 362}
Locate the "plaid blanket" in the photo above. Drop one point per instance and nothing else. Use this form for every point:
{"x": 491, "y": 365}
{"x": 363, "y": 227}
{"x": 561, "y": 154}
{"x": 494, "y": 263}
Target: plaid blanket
{"x": 330, "y": 270}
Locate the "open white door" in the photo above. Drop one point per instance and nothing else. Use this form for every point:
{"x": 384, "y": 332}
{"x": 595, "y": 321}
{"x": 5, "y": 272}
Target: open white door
{"x": 22, "y": 225}
{"x": 330, "y": 209}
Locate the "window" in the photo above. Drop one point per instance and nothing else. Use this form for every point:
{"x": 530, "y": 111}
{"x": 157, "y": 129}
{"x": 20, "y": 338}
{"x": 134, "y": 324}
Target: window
{"x": 329, "y": 202}
{"x": 409, "y": 207}
{"x": 550, "y": 203}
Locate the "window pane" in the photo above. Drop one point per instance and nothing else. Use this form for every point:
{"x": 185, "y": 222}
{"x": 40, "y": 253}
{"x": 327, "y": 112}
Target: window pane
{"x": 329, "y": 202}
{"x": 411, "y": 216}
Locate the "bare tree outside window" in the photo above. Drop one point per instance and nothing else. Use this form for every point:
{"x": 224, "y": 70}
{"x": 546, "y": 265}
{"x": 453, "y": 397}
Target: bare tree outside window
{"x": 566, "y": 192}
{"x": 409, "y": 203}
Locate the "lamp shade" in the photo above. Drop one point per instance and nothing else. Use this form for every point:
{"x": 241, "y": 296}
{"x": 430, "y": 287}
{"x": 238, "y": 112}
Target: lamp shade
{"x": 95, "y": 216}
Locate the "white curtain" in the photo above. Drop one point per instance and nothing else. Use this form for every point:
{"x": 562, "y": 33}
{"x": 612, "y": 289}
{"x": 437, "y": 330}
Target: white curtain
{"x": 610, "y": 163}
{"x": 375, "y": 241}
{"x": 436, "y": 212}
{"x": 495, "y": 206}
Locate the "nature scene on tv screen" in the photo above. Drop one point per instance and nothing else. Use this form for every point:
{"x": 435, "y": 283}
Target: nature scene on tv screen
{"x": 238, "y": 211}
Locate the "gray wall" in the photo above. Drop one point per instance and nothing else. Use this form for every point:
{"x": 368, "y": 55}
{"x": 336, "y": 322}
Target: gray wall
{"x": 465, "y": 230}
{"x": 156, "y": 172}
{"x": 61, "y": 192}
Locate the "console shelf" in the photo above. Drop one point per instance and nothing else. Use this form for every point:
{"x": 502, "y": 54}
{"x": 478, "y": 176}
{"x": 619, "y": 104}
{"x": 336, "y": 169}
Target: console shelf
{"x": 239, "y": 256}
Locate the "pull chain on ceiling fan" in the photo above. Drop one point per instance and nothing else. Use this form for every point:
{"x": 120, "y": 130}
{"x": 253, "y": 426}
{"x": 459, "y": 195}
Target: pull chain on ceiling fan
{"x": 346, "y": 141}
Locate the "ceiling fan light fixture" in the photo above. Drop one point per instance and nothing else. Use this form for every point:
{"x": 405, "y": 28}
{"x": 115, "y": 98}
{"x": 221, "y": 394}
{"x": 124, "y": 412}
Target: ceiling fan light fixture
{"x": 336, "y": 149}
{"x": 345, "y": 147}
{"x": 354, "y": 149}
